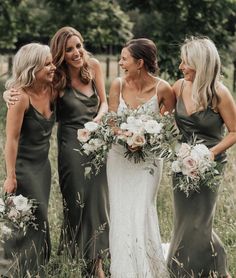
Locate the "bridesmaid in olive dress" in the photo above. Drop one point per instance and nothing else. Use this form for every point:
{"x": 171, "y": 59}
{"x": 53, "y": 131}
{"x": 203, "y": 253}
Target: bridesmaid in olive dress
{"x": 28, "y": 129}
{"x": 204, "y": 106}
{"x": 82, "y": 98}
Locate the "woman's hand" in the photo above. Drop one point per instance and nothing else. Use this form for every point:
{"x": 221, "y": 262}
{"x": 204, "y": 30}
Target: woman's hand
{"x": 97, "y": 119}
{"x": 212, "y": 155}
{"x": 10, "y": 185}
{"x": 11, "y": 96}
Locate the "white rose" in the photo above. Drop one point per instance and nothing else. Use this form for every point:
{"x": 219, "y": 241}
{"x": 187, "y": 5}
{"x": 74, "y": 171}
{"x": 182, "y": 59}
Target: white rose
{"x": 87, "y": 148}
{"x": 123, "y": 126}
{"x": 136, "y": 126}
{"x": 97, "y": 143}
{"x": 83, "y": 135}
{"x": 175, "y": 166}
{"x": 130, "y": 120}
{"x": 6, "y": 231}
{"x": 91, "y": 126}
{"x": 153, "y": 126}
{"x": 93, "y": 145}
{"x": 200, "y": 151}
{"x": 21, "y": 203}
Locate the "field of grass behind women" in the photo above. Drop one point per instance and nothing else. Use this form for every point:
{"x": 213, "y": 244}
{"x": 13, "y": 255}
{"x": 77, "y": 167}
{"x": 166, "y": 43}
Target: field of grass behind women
{"x": 225, "y": 219}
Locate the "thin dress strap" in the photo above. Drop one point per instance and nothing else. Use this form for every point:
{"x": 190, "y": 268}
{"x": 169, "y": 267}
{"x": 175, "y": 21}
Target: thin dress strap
{"x": 157, "y": 85}
{"x": 121, "y": 85}
{"x": 181, "y": 88}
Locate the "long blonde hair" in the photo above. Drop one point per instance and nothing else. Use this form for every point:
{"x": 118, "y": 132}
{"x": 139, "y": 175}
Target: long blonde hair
{"x": 29, "y": 59}
{"x": 201, "y": 55}
{"x": 58, "y": 49}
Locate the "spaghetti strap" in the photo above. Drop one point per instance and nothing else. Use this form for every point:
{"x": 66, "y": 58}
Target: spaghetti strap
{"x": 29, "y": 102}
{"x": 157, "y": 85}
{"x": 181, "y": 88}
{"x": 121, "y": 83}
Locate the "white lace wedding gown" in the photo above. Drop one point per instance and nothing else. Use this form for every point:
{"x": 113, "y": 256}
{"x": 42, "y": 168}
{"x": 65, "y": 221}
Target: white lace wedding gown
{"x": 135, "y": 243}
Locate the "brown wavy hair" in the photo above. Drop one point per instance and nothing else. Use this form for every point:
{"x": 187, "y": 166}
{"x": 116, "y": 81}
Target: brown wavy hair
{"x": 58, "y": 48}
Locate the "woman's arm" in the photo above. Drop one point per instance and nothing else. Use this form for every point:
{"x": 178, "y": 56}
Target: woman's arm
{"x": 166, "y": 97}
{"x": 100, "y": 86}
{"x": 227, "y": 110}
{"x": 114, "y": 100}
{"x": 14, "y": 121}
{"x": 114, "y": 95}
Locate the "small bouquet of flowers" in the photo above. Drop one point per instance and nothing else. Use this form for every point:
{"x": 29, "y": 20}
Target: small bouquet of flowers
{"x": 96, "y": 140}
{"x": 194, "y": 167}
{"x": 146, "y": 135}
{"x": 16, "y": 213}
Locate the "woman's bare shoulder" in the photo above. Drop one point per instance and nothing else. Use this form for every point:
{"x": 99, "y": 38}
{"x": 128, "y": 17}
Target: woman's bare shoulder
{"x": 93, "y": 62}
{"x": 177, "y": 86}
{"x": 115, "y": 85}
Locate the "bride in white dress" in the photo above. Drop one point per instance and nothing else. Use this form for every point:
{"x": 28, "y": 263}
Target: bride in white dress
{"x": 135, "y": 243}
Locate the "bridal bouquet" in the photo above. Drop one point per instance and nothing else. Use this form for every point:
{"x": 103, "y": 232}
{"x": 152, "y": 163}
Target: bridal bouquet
{"x": 194, "y": 167}
{"x": 16, "y": 213}
{"x": 96, "y": 140}
{"x": 146, "y": 135}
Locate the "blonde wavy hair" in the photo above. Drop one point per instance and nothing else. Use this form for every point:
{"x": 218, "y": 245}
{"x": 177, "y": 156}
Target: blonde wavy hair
{"x": 29, "y": 59}
{"x": 201, "y": 55}
{"x": 58, "y": 49}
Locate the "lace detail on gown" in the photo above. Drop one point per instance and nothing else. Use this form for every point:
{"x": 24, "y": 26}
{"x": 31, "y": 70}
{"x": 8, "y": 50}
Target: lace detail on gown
{"x": 135, "y": 242}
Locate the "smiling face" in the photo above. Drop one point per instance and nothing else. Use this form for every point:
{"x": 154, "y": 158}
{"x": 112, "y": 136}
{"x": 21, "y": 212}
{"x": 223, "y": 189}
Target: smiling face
{"x": 46, "y": 74}
{"x": 128, "y": 63}
{"x": 188, "y": 72}
{"x": 74, "y": 52}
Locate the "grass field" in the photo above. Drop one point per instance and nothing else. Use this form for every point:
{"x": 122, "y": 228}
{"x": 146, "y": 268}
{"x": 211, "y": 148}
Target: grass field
{"x": 225, "y": 219}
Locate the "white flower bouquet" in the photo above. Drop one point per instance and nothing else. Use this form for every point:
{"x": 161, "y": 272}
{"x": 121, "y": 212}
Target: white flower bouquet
{"x": 16, "y": 213}
{"x": 96, "y": 140}
{"x": 146, "y": 135}
{"x": 194, "y": 167}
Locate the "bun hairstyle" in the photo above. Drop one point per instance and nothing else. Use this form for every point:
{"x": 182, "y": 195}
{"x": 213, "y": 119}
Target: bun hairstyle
{"x": 146, "y": 50}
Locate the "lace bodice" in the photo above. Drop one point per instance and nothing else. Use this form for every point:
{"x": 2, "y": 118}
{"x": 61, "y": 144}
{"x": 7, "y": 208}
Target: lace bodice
{"x": 151, "y": 104}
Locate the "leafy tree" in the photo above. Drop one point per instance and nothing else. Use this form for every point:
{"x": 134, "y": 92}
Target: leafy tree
{"x": 102, "y": 23}
{"x": 8, "y": 24}
{"x": 172, "y": 20}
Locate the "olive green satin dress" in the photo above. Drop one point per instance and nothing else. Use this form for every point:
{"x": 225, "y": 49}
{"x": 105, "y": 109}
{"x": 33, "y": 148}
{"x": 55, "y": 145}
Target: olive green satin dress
{"x": 85, "y": 228}
{"x": 196, "y": 250}
{"x": 33, "y": 173}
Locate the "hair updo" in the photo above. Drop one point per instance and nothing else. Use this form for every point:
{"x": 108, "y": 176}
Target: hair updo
{"x": 146, "y": 50}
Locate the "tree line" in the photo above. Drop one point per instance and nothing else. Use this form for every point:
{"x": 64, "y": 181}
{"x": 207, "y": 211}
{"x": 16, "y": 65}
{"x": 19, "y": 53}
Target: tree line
{"x": 107, "y": 24}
